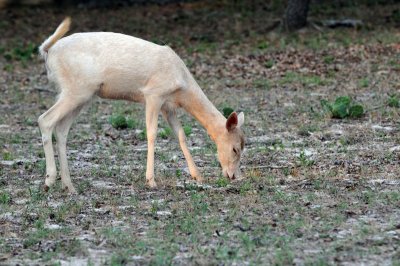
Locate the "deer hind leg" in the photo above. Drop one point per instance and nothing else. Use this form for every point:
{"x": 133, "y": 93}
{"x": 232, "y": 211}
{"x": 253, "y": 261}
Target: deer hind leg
{"x": 47, "y": 121}
{"x": 170, "y": 116}
{"x": 62, "y": 129}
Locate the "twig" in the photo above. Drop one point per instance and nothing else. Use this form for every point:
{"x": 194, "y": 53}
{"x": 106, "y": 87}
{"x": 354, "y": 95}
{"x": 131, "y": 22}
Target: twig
{"x": 374, "y": 108}
{"x": 267, "y": 166}
{"x": 43, "y": 89}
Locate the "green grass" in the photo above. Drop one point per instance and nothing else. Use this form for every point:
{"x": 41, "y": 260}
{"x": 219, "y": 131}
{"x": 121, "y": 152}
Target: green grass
{"x": 393, "y": 101}
{"x": 262, "y": 84}
{"x": 305, "y": 80}
{"x": 165, "y": 133}
{"x": 121, "y": 122}
{"x": 364, "y": 83}
{"x": 5, "y": 198}
{"x": 20, "y": 52}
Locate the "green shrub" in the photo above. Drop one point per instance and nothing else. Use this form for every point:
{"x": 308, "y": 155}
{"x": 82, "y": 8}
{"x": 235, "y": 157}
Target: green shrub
{"x": 227, "y": 111}
{"x": 342, "y": 107}
{"x": 120, "y": 122}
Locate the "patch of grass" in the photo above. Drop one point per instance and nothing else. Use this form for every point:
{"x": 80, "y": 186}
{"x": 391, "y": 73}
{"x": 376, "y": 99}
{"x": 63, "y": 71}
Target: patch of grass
{"x": 7, "y": 156}
{"x": 393, "y": 101}
{"x": 117, "y": 237}
{"x": 188, "y": 130}
{"x": 305, "y": 80}
{"x": 40, "y": 233}
{"x": 222, "y": 182}
{"x": 245, "y": 187}
{"x": 121, "y": 122}
{"x": 21, "y": 52}
{"x": 269, "y": 63}
{"x": 261, "y": 83}
{"x": 394, "y": 63}
{"x": 143, "y": 135}
{"x": 67, "y": 209}
{"x": 5, "y": 197}
{"x": 165, "y": 133}
{"x": 343, "y": 108}
{"x": 203, "y": 47}
{"x": 329, "y": 59}
{"x": 283, "y": 254}
{"x": 363, "y": 83}
{"x": 262, "y": 45}
{"x": 305, "y": 160}
{"x": 37, "y": 194}
{"x": 305, "y": 130}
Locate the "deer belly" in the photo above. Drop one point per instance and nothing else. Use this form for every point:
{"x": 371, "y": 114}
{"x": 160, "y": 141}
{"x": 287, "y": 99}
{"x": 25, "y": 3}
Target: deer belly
{"x": 119, "y": 93}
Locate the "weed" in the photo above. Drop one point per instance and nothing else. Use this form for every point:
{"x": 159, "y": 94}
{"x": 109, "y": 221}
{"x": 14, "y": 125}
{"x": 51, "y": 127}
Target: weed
{"x": 311, "y": 80}
{"x": 283, "y": 254}
{"x": 116, "y": 237}
{"x": 262, "y": 45}
{"x": 245, "y": 187}
{"x": 227, "y": 111}
{"x": 188, "y": 130}
{"x": 261, "y": 83}
{"x": 222, "y": 182}
{"x": 39, "y": 233}
{"x": 269, "y": 63}
{"x": 304, "y": 159}
{"x": 394, "y": 63}
{"x": 143, "y": 135}
{"x": 203, "y": 47}
{"x": 7, "y": 156}
{"x": 393, "y": 101}
{"x": 363, "y": 83}
{"x": 120, "y": 122}
{"x": 5, "y": 198}
{"x": 305, "y": 130}
{"x": 21, "y": 52}
{"x": 329, "y": 59}
{"x": 36, "y": 194}
{"x": 165, "y": 133}
{"x": 342, "y": 108}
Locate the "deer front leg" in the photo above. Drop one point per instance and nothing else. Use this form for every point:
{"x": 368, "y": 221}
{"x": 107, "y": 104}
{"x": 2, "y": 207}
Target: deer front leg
{"x": 153, "y": 105}
{"x": 170, "y": 115}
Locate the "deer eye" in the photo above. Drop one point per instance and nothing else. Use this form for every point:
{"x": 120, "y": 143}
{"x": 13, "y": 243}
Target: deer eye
{"x": 235, "y": 151}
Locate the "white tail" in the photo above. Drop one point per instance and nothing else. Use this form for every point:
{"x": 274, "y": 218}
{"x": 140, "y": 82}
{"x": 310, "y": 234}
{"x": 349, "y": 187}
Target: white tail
{"x": 117, "y": 66}
{"x": 58, "y": 34}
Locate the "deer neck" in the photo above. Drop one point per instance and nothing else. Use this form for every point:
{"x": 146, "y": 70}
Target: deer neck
{"x": 200, "y": 107}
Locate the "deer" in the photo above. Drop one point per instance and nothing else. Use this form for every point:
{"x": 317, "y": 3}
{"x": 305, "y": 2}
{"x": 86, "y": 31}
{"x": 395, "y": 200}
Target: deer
{"x": 122, "y": 67}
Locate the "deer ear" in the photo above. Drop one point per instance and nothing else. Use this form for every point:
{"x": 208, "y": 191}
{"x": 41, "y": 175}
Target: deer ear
{"x": 240, "y": 119}
{"x": 232, "y": 121}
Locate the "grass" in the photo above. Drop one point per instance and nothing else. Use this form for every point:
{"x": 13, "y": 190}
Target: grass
{"x": 305, "y": 80}
{"x": 20, "y": 52}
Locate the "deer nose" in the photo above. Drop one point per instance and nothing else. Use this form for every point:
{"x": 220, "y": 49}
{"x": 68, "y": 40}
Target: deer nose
{"x": 231, "y": 175}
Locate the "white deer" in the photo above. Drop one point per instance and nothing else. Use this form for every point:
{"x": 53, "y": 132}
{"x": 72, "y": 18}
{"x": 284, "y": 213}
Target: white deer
{"x": 118, "y": 66}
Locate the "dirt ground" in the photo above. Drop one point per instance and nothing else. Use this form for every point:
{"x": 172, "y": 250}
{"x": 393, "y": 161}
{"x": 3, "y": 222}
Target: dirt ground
{"x": 316, "y": 190}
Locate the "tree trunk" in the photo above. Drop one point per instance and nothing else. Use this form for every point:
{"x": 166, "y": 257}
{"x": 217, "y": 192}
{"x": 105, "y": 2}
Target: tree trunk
{"x": 296, "y": 14}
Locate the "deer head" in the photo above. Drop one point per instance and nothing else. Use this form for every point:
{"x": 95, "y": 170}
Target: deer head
{"x": 230, "y": 145}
